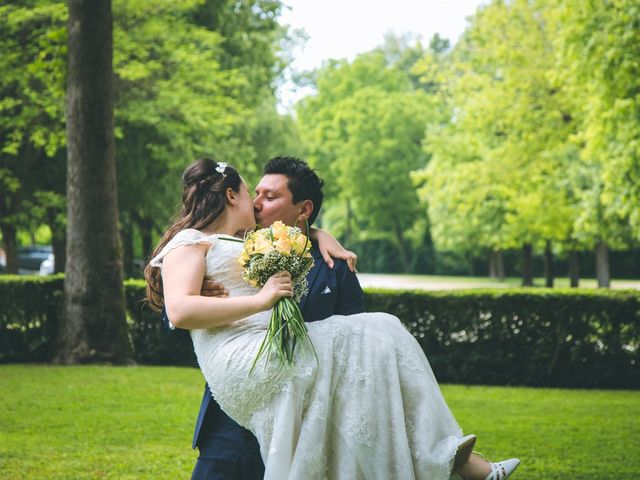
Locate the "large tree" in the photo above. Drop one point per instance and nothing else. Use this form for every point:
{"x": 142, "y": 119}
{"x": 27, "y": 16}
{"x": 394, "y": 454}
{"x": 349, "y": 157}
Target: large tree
{"x": 363, "y": 131}
{"x": 501, "y": 163}
{"x": 93, "y": 324}
{"x": 598, "y": 47}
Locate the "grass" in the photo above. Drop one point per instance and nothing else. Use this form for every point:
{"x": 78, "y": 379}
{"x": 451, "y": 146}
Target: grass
{"x": 99, "y": 422}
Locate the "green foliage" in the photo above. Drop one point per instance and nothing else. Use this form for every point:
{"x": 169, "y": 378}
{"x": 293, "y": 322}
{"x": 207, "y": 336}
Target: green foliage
{"x": 32, "y": 89}
{"x": 540, "y": 142}
{"x": 523, "y": 144}
{"x": 569, "y": 338}
{"x": 599, "y": 45}
{"x": 152, "y": 342}
{"x": 500, "y": 163}
{"x": 30, "y": 311}
{"x": 193, "y": 79}
{"x": 33, "y": 81}
{"x": 525, "y": 132}
{"x": 363, "y": 131}
{"x": 203, "y": 90}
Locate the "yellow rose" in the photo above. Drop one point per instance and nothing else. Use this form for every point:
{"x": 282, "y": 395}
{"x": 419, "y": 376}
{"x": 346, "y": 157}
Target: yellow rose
{"x": 280, "y": 230}
{"x": 299, "y": 242}
{"x": 244, "y": 258}
{"x": 283, "y": 245}
{"x": 261, "y": 245}
{"x": 249, "y": 244}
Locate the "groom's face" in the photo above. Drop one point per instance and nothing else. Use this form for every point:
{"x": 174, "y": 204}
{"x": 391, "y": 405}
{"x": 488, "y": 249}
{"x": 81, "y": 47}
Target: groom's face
{"x": 274, "y": 201}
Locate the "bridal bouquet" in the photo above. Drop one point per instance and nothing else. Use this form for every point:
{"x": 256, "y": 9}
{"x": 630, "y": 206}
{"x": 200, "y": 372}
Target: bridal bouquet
{"x": 266, "y": 252}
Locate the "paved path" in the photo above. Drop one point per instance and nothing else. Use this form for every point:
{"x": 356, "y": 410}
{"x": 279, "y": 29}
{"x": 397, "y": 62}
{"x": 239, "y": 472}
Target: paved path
{"x": 426, "y": 282}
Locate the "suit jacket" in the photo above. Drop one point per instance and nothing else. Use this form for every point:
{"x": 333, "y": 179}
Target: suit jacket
{"x": 331, "y": 292}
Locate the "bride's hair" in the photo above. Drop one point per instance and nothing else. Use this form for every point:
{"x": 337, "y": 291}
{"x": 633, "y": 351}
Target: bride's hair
{"x": 204, "y": 186}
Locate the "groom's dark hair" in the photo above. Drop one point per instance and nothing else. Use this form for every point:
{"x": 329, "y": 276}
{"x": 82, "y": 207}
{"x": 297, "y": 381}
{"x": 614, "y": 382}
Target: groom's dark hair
{"x": 303, "y": 183}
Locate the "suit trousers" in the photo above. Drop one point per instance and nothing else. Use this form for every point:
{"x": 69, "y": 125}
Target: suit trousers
{"x": 227, "y": 452}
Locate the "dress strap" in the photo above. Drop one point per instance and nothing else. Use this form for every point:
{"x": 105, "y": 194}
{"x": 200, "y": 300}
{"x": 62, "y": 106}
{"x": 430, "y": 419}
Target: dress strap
{"x": 189, "y": 236}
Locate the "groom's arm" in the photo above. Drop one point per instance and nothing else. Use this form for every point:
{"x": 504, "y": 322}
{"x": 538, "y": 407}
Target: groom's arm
{"x": 350, "y": 295}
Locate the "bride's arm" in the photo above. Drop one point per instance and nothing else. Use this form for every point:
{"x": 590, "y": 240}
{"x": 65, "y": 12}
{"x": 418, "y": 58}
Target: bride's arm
{"x": 182, "y": 273}
{"x": 330, "y": 247}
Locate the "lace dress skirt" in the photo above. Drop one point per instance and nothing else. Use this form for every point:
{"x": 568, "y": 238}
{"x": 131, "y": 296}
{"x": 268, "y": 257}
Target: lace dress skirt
{"x": 370, "y": 408}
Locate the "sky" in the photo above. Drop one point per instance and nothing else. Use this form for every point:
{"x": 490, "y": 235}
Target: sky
{"x": 345, "y": 28}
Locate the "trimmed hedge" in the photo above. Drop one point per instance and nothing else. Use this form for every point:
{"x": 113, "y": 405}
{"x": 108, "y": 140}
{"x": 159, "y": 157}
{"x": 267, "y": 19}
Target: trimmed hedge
{"x": 30, "y": 307}
{"x": 535, "y": 337}
{"x": 152, "y": 343}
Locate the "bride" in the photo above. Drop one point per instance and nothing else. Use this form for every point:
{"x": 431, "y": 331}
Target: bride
{"x": 368, "y": 408}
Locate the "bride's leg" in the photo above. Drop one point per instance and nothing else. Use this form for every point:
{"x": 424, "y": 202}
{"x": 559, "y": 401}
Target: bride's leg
{"x": 477, "y": 468}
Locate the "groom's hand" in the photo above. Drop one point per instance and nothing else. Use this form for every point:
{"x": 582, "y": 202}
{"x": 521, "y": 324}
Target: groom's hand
{"x": 211, "y": 288}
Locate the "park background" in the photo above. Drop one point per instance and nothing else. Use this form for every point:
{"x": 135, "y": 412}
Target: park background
{"x": 511, "y": 154}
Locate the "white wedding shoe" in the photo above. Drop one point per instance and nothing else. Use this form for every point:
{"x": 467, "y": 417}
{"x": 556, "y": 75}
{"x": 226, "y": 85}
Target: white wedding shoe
{"x": 503, "y": 470}
{"x": 499, "y": 470}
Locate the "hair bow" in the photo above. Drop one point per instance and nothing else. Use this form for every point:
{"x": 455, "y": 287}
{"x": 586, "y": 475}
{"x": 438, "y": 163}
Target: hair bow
{"x": 221, "y": 167}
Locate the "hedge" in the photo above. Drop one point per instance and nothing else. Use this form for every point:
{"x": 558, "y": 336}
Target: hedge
{"x": 30, "y": 307}
{"x": 534, "y": 337}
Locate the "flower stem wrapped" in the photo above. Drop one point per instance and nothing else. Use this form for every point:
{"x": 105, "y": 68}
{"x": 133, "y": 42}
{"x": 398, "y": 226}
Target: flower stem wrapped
{"x": 266, "y": 252}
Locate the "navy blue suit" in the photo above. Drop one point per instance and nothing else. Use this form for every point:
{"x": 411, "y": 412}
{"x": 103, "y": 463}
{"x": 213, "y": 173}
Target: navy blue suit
{"x": 229, "y": 451}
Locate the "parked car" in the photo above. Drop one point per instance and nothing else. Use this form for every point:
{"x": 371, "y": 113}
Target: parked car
{"x": 48, "y": 266}
{"x": 30, "y": 258}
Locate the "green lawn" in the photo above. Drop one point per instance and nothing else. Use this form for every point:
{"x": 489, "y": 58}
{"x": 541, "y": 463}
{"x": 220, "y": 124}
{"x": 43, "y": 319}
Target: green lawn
{"x": 136, "y": 423}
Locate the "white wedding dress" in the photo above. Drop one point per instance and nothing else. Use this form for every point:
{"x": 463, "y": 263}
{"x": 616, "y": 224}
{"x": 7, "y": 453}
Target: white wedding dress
{"x": 371, "y": 409}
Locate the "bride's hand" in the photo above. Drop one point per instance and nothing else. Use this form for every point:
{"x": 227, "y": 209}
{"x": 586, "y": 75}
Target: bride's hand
{"x": 330, "y": 248}
{"x": 278, "y": 286}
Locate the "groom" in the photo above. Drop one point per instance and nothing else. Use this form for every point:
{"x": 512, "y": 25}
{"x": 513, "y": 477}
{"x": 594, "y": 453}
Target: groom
{"x": 288, "y": 191}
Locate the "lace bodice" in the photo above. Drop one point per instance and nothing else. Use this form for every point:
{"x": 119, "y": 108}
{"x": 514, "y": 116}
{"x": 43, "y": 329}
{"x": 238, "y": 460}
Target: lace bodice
{"x": 221, "y": 260}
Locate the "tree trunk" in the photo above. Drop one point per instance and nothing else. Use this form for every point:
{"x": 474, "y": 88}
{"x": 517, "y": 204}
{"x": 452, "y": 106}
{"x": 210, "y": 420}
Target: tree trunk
{"x": 9, "y": 238}
{"x": 527, "y": 265}
{"x": 496, "y": 264}
{"x": 59, "y": 245}
{"x": 58, "y": 240}
{"x": 402, "y": 249}
{"x": 93, "y": 327}
{"x": 145, "y": 226}
{"x": 126, "y": 237}
{"x": 493, "y": 268}
{"x": 574, "y": 268}
{"x": 548, "y": 265}
{"x": 602, "y": 265}
{"x": 347, "y": 231}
